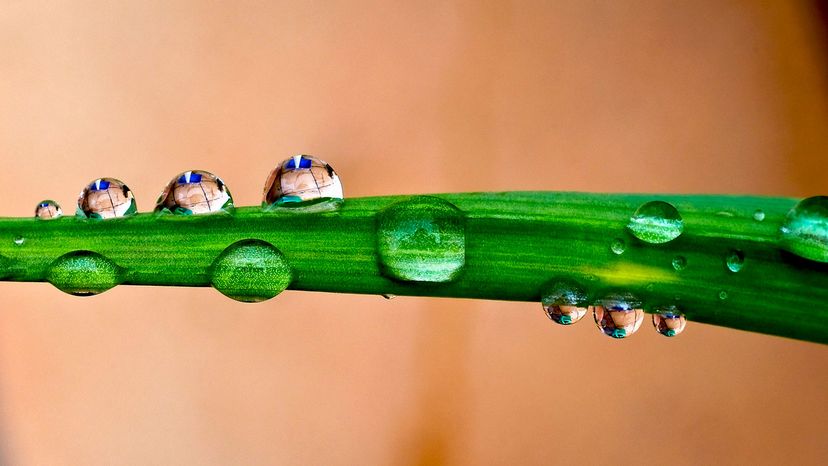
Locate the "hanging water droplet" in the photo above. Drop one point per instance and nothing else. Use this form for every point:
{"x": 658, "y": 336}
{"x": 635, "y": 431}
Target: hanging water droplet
{"x": 421, "y": 239}
{"x": 656, "y": 222}
{"x": 19, "y": 240}
{"x": 301, "y": 179}
{"x": 564, "y": 302}
{"x": 83, "y": 273}
{"x": 679, "y": 263}
{"x": 669, "y": 322}
{"x": 106, "y": 198}
{"x": 805, "y": 232}
{"x": 618, "y": 246}
{"x": 735, "y": 260}
{"x": 618, "y": 316}
{"x": 48, "y": 210}
{"x": 251, "y": 271}
{"x": 759, "y": 215}
{"x": 389, "y": 296}
{"x": 195, "y": 192}
{"x": 723, "y": 295}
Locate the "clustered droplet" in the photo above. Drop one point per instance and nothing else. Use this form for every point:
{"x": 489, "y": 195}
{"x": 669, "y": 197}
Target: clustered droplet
{"x": 669, "y": 322}
{"x": 48, "y": 210}
{"x": 564, "y": 303}
{"x": 106, "y": 198}
{"x": 300, "y": 180}
{"x": 195, "y": 192}
{"x": 618, "y": 316}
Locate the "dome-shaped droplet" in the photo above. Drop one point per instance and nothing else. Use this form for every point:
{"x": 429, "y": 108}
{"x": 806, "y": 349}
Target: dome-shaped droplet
{"x": 805, "y": 232}
{"x": 564, "y": 303}
{"x": 759, "y": 215}
{"x": 669, "y": 322}
{"x": 656, "y": 222}
{"x": 618, "y": 246}
{"x": 83, "y": 273}
{"x": 106, "y": 198}
{"x": 195, "y": 192}
{"x": 735, "y": 260}
{"x": 618, "y": 316}
{"x": 48, "y": 210}
{"x": 251, "y": 271}
{"x": 301, "y": 179}
{"x": 679, "y": 263}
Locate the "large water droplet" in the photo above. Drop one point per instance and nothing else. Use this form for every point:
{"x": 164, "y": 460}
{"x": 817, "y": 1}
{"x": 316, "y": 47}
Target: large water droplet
{"x": 564, "y": 303}
{"x": 106, "y": 198}
{"x": 656, "y": 222}
{"x": 618, "y": 246}
{"x": 251, "y": 271}
{"x": 83, "y": 273}
{"x": 735, "y": 260}
{"x": 618, "y": 316}
{"x": 48, "y": 210}
{"x": 300, "y": 180}
{"x": 805, "y": 232}
{"x": 195, "y": 192}
{"x": 422, "y": 239}
{"x": 669, "y": 322}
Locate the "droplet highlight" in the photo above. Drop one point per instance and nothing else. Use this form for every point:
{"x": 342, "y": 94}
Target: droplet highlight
{"x": 195, "y": 192}
{"x": 805, "y": 231}
{"x": 656, "y": 222}
{"x": 759, "y": 215}
{"x": 618, "y": 316}
{"x": 106, "y": 198}
{"x": 735, "y": 260}
{"x": 679, "y": 263}
{"x": 48, "y": 210}
{"x": 421, "y": 239}
{"x": 669, "y": 322}
{"x": 251, "y": 271}
{"x": 618, "y": 246}
{"x": 564, "y": 303}
{"x": 19, "y": 240}
{"x": 83, "y": 273}
{"x": 300, "y": 180}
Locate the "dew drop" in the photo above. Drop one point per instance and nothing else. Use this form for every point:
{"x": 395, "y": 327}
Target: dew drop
{"x": 422, "y": 239}
{"x": 564, "y": 303}
{"x": 195, "y": 192}
{"x": 735, "y": 260}
{"x": 251, "y": 271}
{"x": 618, "y": 246}
{"x": 723, "y": 295}
{"x": 48, "y": 210}
{"x": 669, "y": 322}
{"x": 83, "y": 273}
{"x": 759, "y": 215}
{"x": 679, "y": 263}
{"x": 300, "y": 180}
{"x": 19, "y": 240}
{"x": 106, "y": 198}
{"x": 805, "y": 232}
{"x": 618, "y": 316}
{"x": 656, "y": 222}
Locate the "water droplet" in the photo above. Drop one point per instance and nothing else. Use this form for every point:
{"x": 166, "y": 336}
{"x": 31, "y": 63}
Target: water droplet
{"x": 48, "y": 210}
{"x": 301, "y": 179}
{"x": 195, "y": 192}
{"x": 618, "y": 246}
{"x": 723, "y": 295}
{"x": 251, "y": 271}
{"x": 679, "y": 263}
{"x": 805, "y": 232}
{"x": 618, "y": 316}
{"x": 422, "y": 239}
{"x": 735, "y": 260}
{"x": 669, "y": 322}
{"x": 564, "y": 302}
{"x": 759, "y": 215}
{"x": 656, "y": 222}
{"x": 389, "y": 296}
{"x": 106, "y": 198}
{"x": 83, "y": 273}
{"x": 19, "y": 240}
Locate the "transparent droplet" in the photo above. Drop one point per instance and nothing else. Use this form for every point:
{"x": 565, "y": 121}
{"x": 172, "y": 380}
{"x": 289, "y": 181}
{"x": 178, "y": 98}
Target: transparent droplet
{"x": 759, "y": 215}
{"x": 564, "y": 302}
{"x": 618, "y": 246}
{"x": 656, "y": 222}
{"x": 618, "y": 316}
{"x": 679, "y": 263}
{"x": 301, "y": 179}
{"x": 669, "y": 322}
{"x": 195, "y": 192}
{"x": 251, "y": 271}
{"x": 723, "y": 295}
{"x": 422, "y": 239}
{"x": 19, "y": 240}
{"x": 735, "y": 260}
{"x": 805, "y": 232}
{"x": 83, "y": 273}
{"x": 389, "y": 296}
{"x": 48, "y": 210}
{"x": 106, "y": 198}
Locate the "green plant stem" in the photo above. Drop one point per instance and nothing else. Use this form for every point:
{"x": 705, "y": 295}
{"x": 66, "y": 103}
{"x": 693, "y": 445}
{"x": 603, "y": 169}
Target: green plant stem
{"x": 515, "y": 244}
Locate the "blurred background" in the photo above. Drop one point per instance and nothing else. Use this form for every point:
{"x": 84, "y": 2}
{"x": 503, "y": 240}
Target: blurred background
{"x": 401, "y": 97}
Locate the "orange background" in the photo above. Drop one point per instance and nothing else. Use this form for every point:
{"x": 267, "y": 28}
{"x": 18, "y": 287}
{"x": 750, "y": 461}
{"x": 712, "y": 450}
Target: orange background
{"x": 415, "y": 97}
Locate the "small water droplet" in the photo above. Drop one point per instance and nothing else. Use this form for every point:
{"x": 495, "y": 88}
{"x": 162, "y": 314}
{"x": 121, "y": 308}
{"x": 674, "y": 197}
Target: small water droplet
{"x": 679, "y": 263}
{"x": 83, "y": 273}
{"x": 618, "y": 316}
{"x": 723, "y": 295}
{"x": 389, "y": 296}
{"x": 19, "y": 240}
{"x": 564, "y": 302}
{"x": 656, "y": 222}
{"x": 48, "y": 210}
{"x": 251, "y": 271}
{"x": 300, "y": 180}
{"x": 422, "y": 239}
{"x": 106, "y": 198}
{"x": 759, "y": 215}
{"x": 735, "y": 260}
{"x": 805, "y": 232}
{"x": 195, "y": 192}
{"x": 669, "y": 322}
{"x": 618, "y": 246}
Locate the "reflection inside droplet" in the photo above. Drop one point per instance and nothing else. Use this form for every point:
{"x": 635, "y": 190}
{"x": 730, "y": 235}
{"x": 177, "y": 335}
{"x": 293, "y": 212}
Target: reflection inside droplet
{"x": 48, "y": 210}
{"x": 106, "y": 198}
{"x": 618, "y": 316}
{"x": 564, "y": 302}
{"x": 195, "y": 192}
{"x": 301, "y": 179}
{"x": 669, "y": 322}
